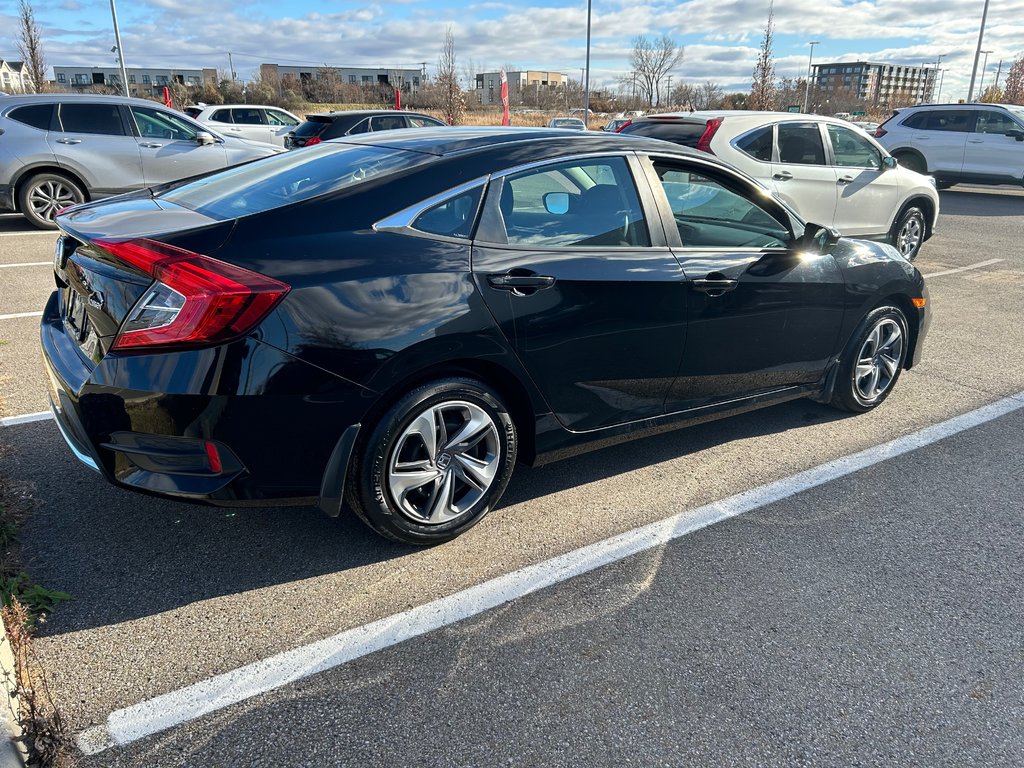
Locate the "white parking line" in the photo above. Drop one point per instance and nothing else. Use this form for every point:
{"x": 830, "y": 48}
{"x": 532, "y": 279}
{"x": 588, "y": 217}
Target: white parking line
{"x": 979, "y": 265}
{"x": 16, "y": 315}
{"x": 176, "y": 707}
{"x": 27, "y": 264}
{"x": 27, "y": 418}
{"x": 49, "y": 233}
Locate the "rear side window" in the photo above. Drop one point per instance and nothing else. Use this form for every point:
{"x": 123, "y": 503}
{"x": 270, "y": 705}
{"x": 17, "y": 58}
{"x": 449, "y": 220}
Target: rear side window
{"x": 90, "y": 118}
{"x": 363, "y": 126}
{"x": 757, "y": 144}
{"x": 958, "y": 121}
{"x": 686, "y": 134}
{"x": 247, "y": 116}
{"x": 387, "y": 123}
{"x": 312, "y": 127}
{"x": 288, "y": 178}
{"x": 453, "y": 217}
{"x": 192, "y": 111}
{"x": 221, "y": 116}
{"x": 800, "y": 144}
{"x": 916, "y": 120}
{"x": 36, "y": 115}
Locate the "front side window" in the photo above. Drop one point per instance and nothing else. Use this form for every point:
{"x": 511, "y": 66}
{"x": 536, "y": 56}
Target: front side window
{"x": 709, "y": 214}
{"x": 156, "y": 124}
{"x": 424, "y": 122}
{"x": 757, "y": 144}
{"x": 90, "y": 118}
{"x": 587, "y": 203}
{"x": 852, "y": 150}
{"x": 800, "y": 144}
{"x": 990, "y": 121}
{"x": 276, "y": 117}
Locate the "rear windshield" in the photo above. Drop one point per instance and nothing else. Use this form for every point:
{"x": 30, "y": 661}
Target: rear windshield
{"x": 288, "y": 178}
{"x": 313, "y": 126}
{"x": 686, "y": 134}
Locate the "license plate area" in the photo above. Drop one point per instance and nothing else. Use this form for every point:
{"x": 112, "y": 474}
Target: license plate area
{"x": 75, "y": 318}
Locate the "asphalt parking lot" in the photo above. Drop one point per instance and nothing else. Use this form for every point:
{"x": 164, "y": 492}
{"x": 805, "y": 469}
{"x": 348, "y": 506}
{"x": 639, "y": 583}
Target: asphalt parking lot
{"x": 871, "y": 619}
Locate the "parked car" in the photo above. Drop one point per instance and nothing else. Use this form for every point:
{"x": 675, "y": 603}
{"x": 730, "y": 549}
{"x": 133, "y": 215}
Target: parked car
{"x": 397, "y": 320}
{"x": 247, "y": 121}
{"x": 614, "y": 124}
{"x": 331, "y": 125}
{"x": 971, "y": 143}
{"x": 829, "y": 171}
{"x": 868, "y": 126}
{"x": 59, "y": 149}
{"x": 572, "y": 123}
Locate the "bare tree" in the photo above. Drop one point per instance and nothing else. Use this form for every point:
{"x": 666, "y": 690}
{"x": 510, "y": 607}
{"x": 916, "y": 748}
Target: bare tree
{"x": 684, "y": 95}
{"x": 651, "y": 61}
{"x": 30, "y": 46}
{"x": 709, "y": 95}
{"x": 453, "y": 102}
{"x": 1013, "y": 88}
{"x": 762, "y": 94}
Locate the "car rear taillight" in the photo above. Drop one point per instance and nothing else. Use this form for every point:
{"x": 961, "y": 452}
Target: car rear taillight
{"x": 196, "y": 301}
{"x": 704, "y": 142}
{"x": 619, "y": 129}
{"x": 312, "y": 140}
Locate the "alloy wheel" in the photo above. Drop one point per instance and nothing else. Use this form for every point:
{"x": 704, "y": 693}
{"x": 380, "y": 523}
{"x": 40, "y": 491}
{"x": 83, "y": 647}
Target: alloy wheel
{"x": 909, "y": 238}
{"x": 50, "y": 196}
{"x": 879, "y": 360}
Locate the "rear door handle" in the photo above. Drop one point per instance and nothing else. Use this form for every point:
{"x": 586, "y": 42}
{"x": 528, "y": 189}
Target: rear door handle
{"x": 519, "y": 282}
{"x": 844, "y": 180}
{"x": 975, "y": 141}
{"x": 715, "y": 286}
{"x": 782, "y": 176}
{"x": 151, "y": 145}
{"x": 69, "y": 141}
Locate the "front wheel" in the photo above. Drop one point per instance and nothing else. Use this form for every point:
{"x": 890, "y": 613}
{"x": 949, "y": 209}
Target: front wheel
{"x": 871, "y": 365}
{"x": 43, "y": 195}
{"x": 435, "y": 464}
{"x": 907, "y": 234}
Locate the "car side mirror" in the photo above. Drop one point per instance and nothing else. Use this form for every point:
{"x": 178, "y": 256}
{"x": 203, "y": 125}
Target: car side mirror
{"x": 204, "y": 138}
{"x": 818, "y": 238}
{"x": 1016, "y": 133}
{"x": 556, "y": 203}
{"x": 889, "y": 162}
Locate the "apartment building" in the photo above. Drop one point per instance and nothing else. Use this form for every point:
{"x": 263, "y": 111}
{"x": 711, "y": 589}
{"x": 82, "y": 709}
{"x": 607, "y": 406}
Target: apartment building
{"x": 875, "y": 83}
{"x": 141, "y": 81}
{"x": 525, "y": 87}
{"x": 409, "y": 80}
{"x": 14, "y": 77}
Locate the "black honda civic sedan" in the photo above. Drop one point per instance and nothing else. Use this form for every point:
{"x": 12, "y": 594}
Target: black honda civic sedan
{"x": 392, "y": 322}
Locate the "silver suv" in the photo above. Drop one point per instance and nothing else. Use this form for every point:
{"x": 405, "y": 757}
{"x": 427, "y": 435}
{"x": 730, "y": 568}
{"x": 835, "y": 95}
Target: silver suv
{"x": 60, "y": 149}
{"x": 970, "y": 143}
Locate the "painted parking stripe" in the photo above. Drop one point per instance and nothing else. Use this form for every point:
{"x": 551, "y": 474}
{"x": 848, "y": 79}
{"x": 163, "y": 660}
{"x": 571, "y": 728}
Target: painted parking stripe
{"x": 124, "y": 726}
{"x": 979, "y": 265}
{"x": 20, "y": 314}
{"x": 48, "y": 233}
{"x": 27, "y": 264}
{"x": 27, "y": 418}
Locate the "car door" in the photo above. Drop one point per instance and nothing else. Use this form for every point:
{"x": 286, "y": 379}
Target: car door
{"x": 93, "y": 140}
{"x": 801, "y": 174}
{"x": 761, "y": 314}
{"x": 991, "y": 154}
{"x": 941, "y": 136}
{"x": 869, "y": 193}
{"x": 281, "y": 124}
{"x": 170, "y": 147}
{"x": 588, "y": 295}
{"x": 251, "y": 123}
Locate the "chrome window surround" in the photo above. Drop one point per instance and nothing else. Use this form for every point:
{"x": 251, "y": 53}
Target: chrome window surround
{"x": 403, "y": 220}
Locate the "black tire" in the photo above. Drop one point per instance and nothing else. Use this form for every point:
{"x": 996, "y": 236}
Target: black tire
{"x": 908, "y": 232}
{"x": 911, "y": 162}
{"x": 42, "y": 195}
{"x": 854, "y": 390}
{"x": 466, "y": 479}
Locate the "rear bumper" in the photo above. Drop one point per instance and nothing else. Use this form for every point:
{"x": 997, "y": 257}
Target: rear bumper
{"x": 243, "y": 424}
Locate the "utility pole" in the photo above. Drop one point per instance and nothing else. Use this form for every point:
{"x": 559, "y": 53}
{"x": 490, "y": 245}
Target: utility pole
{"x": 586, "y": 83}
{"x": 977, "y": 52}
{"x": 938, "y": 61}
{"x": 942, "y": 76}
{"x": 231, "y": 67}
{"x": 120, "y": 51}
{"x": 999, "y": 71}
{"x": 981, "y": 84}
{"x": 807, "y": 85}
{"x": 668, "y": 94}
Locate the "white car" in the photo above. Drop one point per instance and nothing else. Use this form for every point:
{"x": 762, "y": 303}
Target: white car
{"x": 829, "y": 171}
{"x": 253, "y": 122}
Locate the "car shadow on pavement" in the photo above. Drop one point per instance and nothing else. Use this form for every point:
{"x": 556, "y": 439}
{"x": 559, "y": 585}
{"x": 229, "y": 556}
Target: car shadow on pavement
{"x": 965, "y": 202}
{"x": 124, "y": 556}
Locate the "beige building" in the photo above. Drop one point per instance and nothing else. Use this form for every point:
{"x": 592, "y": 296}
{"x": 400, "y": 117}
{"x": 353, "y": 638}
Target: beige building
{"x": 14, "y": 77}
{"x": 873, "y": 83}
{"x": 525, "y": 87}
{"x": 409, "y": 80}
{"x": 141, "y": 81}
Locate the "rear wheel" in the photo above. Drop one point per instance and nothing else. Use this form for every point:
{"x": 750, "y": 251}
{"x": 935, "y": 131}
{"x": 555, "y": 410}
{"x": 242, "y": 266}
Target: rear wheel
{"x": 908, "y": 231}
{"x": 872, "y": 363}
{"x": 435, "y": 464}
{"x": 44, "y": 194}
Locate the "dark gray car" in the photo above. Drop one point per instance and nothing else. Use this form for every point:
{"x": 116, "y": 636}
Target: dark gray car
{"x": 60, "y": 149}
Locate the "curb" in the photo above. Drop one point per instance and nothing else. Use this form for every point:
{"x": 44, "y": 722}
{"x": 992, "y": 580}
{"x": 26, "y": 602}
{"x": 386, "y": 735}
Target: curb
{"x": 12, "y": 752}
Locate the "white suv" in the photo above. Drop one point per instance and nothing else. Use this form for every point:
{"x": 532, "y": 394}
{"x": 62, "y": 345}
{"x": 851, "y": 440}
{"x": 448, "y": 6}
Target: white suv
{"x": 247, "y": 121}
{"x": 973, "y": 143}
{"x": 830, "y": 171}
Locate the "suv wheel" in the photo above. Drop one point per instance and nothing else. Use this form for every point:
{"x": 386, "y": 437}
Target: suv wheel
{"x": 908, "y": 232}
{"x": 43, "y": 195}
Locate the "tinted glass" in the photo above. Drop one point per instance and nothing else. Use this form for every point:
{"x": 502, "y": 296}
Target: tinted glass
{"x": 289, "y": 178}
{"x": 757, "y": 144}
{"x": 686, "y": 134}
{"x": 222, "y": 116}
{"x": 192, "y": 111}
{"x": 946, "y": 120}
{"x": 313, "y": 126}
{"x": 363, "y": 126}
{"x": 602, "y": 206}
{"x": 916, "y": 120}
{"x": 387, "y": 123}
{"x": 800, "y": 144}
{"x": 853, "y": 150}
{"x": 453, "y": 217}
{"x": 247, "y": 116}
{"x": 36, "y": 115}
{"x": 157, "y": 124}
{"x": 711, "y": 215}
{"x": 90, "y": 118}
{"x": 990, "y": 121}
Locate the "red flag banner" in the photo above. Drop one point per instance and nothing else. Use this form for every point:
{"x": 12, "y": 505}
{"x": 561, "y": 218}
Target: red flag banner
{"x": 504, "y": 98}
{"x": 398, "y": 98}
{"x": 167, "y": 96}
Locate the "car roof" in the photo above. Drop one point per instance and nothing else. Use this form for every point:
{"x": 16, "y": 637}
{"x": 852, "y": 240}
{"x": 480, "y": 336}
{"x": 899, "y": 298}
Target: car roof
{"x": 957, "y": 106}
{"x": 365, "y": 113}
{"x": 235, "y": 106}
{"x": 28, "y": 98}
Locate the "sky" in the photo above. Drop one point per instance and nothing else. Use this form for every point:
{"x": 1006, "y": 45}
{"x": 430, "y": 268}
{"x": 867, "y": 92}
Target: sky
{"x": 720, "y": 38}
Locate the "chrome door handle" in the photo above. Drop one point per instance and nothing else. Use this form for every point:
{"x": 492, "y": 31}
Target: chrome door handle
{"x": 519, "y": 282}
{"x": 713, "y": 286}
{"x": 69, "y": 141}
{"x": 151, "y": 145}
{"x": 782, "y": 175}
{"x": 844, "y": 180}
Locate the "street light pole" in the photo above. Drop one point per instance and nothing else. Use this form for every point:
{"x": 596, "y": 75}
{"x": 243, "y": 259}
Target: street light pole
{"x": 586, "y": 84}
{"x": 120, "y": 51}
{"x": 935, "y": 77}
{"x": 999, "y": 72}
{"x": 942, "y": 76}
{"x": 977, "y": 52}
{"x": 981, "y": 83}
{"x": 807, "y": 85}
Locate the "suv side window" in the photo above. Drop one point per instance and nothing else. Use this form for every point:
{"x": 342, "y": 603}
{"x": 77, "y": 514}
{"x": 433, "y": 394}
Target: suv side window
{"x": 387, "y": 123}
{"x": 958, "y": 120}
{"x": 156, "y": 124}
{"x": 221, "y": 116}
{"x": 90, "y": 118}
{"x": 362, "y": 126}
{"x": 991, "y": 121}
{"x": 757, "y": 144}
{"x": 35, "y": 115}
{"x": 247, "y": 116}
{"x": 800, "y": 144}
{"x": 852, "y": 150}
{"x": 276, "y": 117}
{"x": 916, "y": 121}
